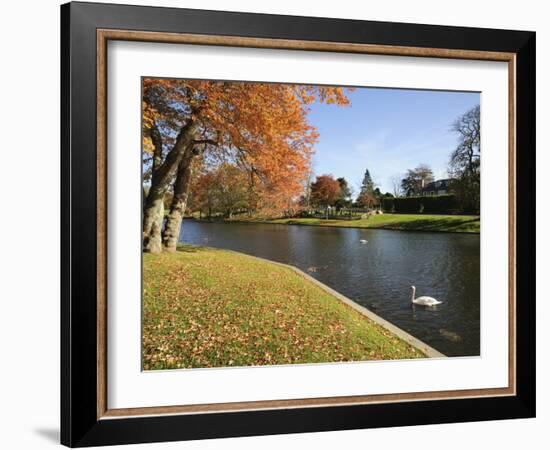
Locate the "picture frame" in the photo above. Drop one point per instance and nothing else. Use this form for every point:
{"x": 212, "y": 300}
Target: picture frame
{"x": 86, "y": 418}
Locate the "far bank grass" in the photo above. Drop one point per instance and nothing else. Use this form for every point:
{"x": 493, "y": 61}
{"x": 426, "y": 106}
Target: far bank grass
{"x": 204, "y": 307}
{"x": 404, "y": 222}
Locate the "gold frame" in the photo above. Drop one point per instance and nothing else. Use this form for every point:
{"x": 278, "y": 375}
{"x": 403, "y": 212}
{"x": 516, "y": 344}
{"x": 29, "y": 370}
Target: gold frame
{"x": 104, "y": 35}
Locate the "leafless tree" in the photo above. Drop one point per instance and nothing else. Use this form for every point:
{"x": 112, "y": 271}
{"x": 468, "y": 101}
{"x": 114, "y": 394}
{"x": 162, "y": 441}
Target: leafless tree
{"x": 464, "y": 165}
{"x": 465, "y": 158}
{"x": 395, "y": 182}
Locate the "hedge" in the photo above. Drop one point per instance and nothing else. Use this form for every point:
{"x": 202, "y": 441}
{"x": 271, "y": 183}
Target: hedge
{"x": 438, "y": 204}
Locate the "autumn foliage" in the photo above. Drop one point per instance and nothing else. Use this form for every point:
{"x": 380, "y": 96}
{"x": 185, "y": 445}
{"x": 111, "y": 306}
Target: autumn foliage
{"x": 366, "y": 200}
{"x": 260, "y": 129}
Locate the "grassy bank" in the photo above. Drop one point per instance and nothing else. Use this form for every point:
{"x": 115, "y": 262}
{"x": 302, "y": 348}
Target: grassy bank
{"x": 205, "y": 307}
{"x": 407, "y": 222}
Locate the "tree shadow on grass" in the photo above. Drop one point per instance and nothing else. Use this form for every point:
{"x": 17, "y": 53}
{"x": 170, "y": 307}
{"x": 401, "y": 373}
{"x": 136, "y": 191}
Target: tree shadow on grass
{"x": 435, "y": 225}
{"x": 188, "y": 248}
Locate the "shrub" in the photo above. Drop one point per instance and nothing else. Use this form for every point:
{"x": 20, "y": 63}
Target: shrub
{"x": 437, "y": 204}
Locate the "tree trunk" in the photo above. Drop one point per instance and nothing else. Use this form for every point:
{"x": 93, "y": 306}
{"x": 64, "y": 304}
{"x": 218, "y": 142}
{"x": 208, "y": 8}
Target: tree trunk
{"x": 179, "y": 202}
{"x": 153, "y": 216}
{"x": 251, "y": 200}
{"x": 153, "y": 212}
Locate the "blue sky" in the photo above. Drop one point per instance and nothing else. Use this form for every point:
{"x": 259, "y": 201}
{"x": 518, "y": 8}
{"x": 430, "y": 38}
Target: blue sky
{"x": 387, "y": 131}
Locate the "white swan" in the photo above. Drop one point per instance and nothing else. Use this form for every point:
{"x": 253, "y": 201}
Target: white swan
{"x": 363, "y": 241}
{"x": 425, "y": 301}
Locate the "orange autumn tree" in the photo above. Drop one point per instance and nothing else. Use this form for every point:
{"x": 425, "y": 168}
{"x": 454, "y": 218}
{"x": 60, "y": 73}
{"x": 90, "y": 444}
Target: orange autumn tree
{"x": 222, "y": 189}
{"x": 260, "y": 127}
{"x": 275, "y": 181}
{"x": 202, "y": 194}
{"x": 325, "y": 191}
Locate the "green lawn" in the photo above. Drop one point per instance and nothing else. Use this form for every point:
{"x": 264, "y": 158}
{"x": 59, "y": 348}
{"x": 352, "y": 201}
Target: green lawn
{"x": 411, "y": 222}
{"x": 204, "y": 307}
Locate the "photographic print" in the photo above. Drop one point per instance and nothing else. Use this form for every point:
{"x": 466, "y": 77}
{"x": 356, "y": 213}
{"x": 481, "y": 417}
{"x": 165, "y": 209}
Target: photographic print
{"x": 299, "y": 224}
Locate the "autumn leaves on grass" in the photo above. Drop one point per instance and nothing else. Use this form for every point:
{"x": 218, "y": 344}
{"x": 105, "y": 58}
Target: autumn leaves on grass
{"x": 204, "y": 307}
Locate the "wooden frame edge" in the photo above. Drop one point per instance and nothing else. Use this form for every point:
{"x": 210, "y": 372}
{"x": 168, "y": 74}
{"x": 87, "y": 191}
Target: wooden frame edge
{"x": 512, "y": 199}
{"x": 303, "y": 403}
{"x": 101, "y": 225}
{"x": 289, "y": 44}
{"x": 103, "y": 35}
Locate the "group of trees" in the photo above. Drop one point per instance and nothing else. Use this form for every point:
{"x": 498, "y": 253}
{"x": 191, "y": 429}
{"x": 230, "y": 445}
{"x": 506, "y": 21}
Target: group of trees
{"x": 223, "y": 189}
{"x": 213, "y": 133}
{"x": 370, "y": 196}
{"x": 326, "y": 191}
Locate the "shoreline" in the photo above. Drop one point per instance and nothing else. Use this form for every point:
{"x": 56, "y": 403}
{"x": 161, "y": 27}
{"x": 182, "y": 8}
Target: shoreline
{"x": 335, "y": 223}
{"x": 429, "y": 351}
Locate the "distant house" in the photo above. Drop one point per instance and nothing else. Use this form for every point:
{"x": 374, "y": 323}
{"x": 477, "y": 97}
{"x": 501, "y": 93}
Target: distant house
{"x": 438, "y": 187}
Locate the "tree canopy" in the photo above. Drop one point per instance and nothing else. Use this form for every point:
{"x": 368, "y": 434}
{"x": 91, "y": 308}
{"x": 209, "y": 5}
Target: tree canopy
{"x": 416, "y": 179}
{"x": 325, "y": 191}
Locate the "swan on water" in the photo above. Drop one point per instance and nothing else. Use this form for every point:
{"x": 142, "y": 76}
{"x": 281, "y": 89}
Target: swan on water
{"x": 426, "y": 301}
{"x": 363, "y": 241}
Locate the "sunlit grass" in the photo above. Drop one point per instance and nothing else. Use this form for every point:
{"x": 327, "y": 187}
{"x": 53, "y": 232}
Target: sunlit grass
{"x": 205, "y": 307}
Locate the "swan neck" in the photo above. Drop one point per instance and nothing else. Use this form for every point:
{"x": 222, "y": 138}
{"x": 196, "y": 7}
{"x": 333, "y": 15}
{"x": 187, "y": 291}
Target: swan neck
{"x": 413, "y": 294}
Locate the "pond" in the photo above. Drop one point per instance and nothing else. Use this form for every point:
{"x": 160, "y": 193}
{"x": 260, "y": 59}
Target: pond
{"x": 378, "y": 274}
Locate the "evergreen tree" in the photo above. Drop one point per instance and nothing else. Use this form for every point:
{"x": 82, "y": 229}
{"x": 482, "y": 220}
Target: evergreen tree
{"x": 367, "y": 187}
